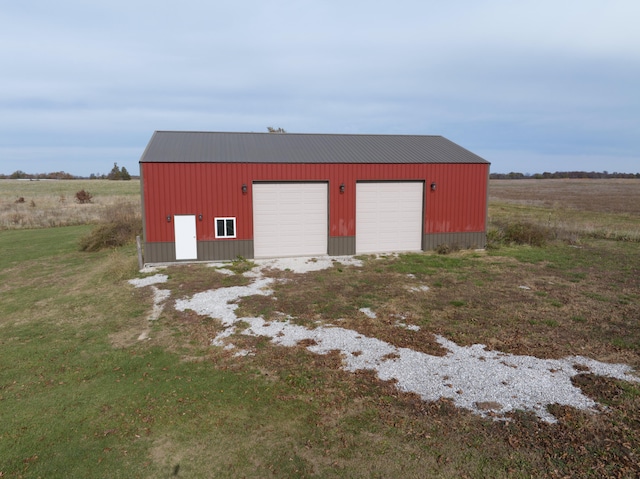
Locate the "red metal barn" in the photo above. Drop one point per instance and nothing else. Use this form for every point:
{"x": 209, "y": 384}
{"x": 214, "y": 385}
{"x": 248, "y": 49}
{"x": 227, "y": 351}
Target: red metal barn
{"x": 216, "y": 196}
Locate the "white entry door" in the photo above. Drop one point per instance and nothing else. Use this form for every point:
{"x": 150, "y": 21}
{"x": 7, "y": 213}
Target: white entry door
{"x": 185, "y": 231}
{"x": 290, "y": 219}
{"x": 389, "y": 216}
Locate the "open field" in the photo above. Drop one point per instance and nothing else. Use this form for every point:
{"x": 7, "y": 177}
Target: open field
{"x": 50, "y": 203}
{"x": 81, "y": 395}
{"x": 617, "y": 196}
{"x": 571, "y": 209}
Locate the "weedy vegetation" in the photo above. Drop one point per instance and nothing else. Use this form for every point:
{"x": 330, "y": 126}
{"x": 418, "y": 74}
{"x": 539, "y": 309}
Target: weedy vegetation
{"x": 120, "y": 224}
{"x": 52, "y": 203}
{"x": 84, "y": 394}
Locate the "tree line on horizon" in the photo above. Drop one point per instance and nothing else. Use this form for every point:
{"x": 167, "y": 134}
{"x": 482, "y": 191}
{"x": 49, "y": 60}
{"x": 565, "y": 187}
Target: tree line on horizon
{"x": 561, "y": 175}
{"x": 117, "y": 173}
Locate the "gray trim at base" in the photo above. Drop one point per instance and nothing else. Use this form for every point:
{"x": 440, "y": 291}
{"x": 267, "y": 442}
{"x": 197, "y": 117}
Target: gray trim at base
{"x": 159, "y": 252}
{"x": 207, "y": 251}
{"x": 462, "y": 240}
{"x": 224, "y": 250}
{"x": 338, "y": 246}
{"x": 342, "y": 245}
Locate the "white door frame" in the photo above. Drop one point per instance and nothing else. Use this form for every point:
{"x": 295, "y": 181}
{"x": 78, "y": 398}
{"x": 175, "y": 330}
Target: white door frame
{"x": 186, "y": 242}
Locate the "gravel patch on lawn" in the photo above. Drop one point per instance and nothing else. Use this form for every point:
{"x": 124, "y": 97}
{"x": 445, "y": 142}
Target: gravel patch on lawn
{"x": 489, "y": 383}
{"x": 486, "y": 382}
{"x": 149, "y": 280}
{"x": 306, "y": 264}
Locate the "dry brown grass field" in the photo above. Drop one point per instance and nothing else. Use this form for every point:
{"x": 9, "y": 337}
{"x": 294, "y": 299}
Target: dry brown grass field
{"x": 51, "y": 203}
{"x": 596, "y": 195}
{"x": 570, "y": 208}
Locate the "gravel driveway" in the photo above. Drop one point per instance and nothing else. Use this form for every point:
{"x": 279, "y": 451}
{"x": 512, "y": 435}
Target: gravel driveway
{"x": 489, "y": 383}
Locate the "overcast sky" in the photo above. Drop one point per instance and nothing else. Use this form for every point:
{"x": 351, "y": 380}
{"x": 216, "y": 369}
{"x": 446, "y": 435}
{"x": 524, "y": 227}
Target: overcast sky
{"x": 531, "y": 86}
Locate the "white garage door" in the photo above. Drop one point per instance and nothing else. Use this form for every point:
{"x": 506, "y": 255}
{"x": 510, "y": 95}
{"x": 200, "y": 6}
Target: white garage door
{"x": 289, "y": 219}
{"x": 389, "y": 216}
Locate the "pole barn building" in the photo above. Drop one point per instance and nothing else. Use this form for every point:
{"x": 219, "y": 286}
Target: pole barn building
{"x": 210, "y": 196}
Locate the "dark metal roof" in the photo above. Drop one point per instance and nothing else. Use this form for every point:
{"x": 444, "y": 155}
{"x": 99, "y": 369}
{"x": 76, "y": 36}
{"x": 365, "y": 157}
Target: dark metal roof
{"x": 219, "y": 147}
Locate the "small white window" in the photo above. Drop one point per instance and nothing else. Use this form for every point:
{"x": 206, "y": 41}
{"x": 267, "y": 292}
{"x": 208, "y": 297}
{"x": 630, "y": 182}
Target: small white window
{"x": 225, "y": 227}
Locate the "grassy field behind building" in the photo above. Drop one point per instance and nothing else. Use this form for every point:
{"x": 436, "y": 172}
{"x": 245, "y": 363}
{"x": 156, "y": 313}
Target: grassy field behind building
{"x": 52, "y": 203}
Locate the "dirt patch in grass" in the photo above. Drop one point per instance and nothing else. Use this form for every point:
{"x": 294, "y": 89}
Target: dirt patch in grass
{"x": 336, "y": 295}
{"x": 188, "y": 279}
{"x": 514, "y": 307}
{"x": 582, "y": 444}
{"x": 129, "y": 334}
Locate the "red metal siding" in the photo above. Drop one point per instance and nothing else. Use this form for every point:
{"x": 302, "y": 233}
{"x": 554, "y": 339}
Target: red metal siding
{"x": 215, "y": 189}
{"x": 459, "y": 202}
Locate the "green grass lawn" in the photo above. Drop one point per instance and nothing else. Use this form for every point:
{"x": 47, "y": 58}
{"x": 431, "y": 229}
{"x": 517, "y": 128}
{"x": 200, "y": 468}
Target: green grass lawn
{"x": 73, "y": 405}
{"x": 81, "y": 396}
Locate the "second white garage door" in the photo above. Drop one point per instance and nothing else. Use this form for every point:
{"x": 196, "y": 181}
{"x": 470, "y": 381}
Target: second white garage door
{"x": 289, "y": 219}
{"x": 389, "y": 216}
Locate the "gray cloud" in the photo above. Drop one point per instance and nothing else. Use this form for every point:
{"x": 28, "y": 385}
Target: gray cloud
{"x": 547, "y": 85}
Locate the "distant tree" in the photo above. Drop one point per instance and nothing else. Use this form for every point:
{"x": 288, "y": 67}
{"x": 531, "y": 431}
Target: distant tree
{"x": 56, "y": 175}
{"x": 115, "y": 173}
{"x": 513, "y": 175}
{"x": 18, "y": 175}
{"x": 118, "y": 174}
{"x": 562, "y": 174}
